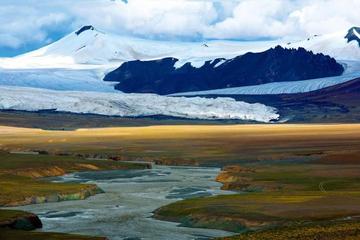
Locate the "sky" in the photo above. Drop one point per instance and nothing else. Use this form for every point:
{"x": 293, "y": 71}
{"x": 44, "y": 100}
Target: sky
{"x": 29, "y": 24}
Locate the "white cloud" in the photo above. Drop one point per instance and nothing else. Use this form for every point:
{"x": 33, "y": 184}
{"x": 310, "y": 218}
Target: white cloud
{"x": 326, "y": 16}
{"x": 286, "y": 18}
{"x": 26, "y": 24}
{"x": 181, "y": 18}
{"x": 25, "y": 21}
{"x": 253, "y": 19}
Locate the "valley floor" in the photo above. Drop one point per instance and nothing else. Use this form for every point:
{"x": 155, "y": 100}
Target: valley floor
{"x": 290, "y": 177}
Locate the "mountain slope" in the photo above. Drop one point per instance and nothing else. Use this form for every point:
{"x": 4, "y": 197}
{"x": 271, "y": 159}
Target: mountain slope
{"x": 352, "y": 70}
{"x": 274, "y": 65}
{"x": 338, "y": 103}
{"x": 353, "y": 35}
{"x": 98, "y": 53}
{"x": 343, "y": 45}
{"x": 89, "y": 48}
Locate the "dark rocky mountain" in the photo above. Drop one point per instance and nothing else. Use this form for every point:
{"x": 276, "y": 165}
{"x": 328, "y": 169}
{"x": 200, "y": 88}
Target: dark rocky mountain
{"x": 336, "y": 104}
{"x": 274, "y": 65}
{"x": 353, "y": 35}
{"x": 84, "y": 28}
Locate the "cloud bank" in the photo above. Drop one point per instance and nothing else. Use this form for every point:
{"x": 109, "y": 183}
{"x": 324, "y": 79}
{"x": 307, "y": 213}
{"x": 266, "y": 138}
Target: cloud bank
{"x": 27, "y": 22}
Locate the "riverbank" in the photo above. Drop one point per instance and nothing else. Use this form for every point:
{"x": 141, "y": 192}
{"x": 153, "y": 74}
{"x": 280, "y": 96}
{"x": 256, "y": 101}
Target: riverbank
{"x": 277, "y": 196}
{"x": 124, "y": 211}
{"x": 19, "y": 220}
{"x": 21, "y": 177}
{"x": 16, "y": 225}
{"x": 22, "y": 183}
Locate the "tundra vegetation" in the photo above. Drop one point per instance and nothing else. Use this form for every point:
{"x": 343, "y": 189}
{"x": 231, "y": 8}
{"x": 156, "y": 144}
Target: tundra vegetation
{"x": 288, "y": 179}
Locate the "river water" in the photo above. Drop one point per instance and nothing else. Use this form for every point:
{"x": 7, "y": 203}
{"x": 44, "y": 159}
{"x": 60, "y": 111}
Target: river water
{"x": 124, "y": 210}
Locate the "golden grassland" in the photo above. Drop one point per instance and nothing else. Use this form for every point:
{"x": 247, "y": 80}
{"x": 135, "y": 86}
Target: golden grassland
{"x": 217, "y": 145}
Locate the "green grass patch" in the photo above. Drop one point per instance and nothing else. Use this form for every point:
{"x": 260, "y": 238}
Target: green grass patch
{"x": 17, "y": 162}
{"x": 290, "y": 193}
{"x": 257, "y": 210}
{"x": 18, "y": 190}
{"x": 326, "y": 230}
{"x": 21, "y": 184}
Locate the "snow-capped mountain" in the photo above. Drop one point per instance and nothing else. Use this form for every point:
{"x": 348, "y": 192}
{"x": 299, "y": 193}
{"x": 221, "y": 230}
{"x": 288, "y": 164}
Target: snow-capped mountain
{"x": 80, "y": 61}
{"x": 274, "y": 65}
{"x": 89, "y": 48}
{"x": 343, "y": 45}
{"x": 353, "y": 35}
{"x": 61, "y": 65}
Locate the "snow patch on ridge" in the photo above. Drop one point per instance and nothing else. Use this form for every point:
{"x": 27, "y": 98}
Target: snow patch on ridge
{"x": 356, "y": 33}
{"x": 335, "y": 45}
{"x": 132, "y": 105}
{"x": 352, "y": 71}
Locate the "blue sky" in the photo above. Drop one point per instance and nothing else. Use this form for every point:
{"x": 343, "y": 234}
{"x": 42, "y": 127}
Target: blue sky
{"x": 30, "y": 24}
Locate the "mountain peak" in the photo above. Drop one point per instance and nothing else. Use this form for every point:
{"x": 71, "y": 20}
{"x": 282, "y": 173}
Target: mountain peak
{"x": 353, "y": 35}
{"x": 84, "y": 28}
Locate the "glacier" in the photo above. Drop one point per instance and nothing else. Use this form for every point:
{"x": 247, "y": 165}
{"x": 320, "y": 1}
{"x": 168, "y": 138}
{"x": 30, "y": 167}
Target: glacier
{"x": 132, "y": 105}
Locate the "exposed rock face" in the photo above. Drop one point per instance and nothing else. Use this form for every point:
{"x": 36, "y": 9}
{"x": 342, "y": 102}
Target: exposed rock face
{"x": 83, "y": 29}
{"x": 39, "y": 173}
{"x": 353, "y": 35}
{"x": 274, "y": 65}
{"x": 232, "y": 179}
{"x": 239, "y": 178}
{"x": 89, "y": 190}
{"x": 27, "y": 222}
